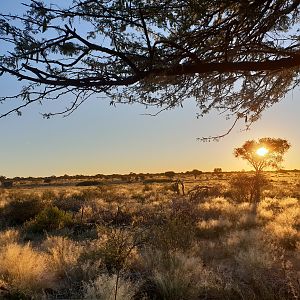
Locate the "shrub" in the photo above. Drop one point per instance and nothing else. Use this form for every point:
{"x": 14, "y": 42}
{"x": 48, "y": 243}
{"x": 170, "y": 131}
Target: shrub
{"x": 7, "y": 184}
{"x": 243, "y": 187}
{"x": 103, "y": 288}
{"x": 72, "y": 203}
{"x": 51, "y": 218}
{"x": 22, "y": 208}
{"x": 48, "y": 196}
{"x": 175, "y": 234}
{"x": 199, "y": 193}
{"x": 118, "y": 249}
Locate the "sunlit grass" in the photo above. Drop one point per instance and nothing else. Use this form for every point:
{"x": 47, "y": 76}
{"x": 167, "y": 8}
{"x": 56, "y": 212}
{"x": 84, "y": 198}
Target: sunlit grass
{"x": 148, "y": 242}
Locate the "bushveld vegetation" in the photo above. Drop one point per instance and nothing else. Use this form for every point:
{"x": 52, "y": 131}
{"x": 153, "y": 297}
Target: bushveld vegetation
{"x": 140, "y": 237}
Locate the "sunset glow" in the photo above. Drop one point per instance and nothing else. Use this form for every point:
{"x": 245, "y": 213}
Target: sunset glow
{"x": 262, "y": 151}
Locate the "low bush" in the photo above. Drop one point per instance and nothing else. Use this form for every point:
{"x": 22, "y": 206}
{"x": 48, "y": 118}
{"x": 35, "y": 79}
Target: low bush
{"x": 175, "y": 234}
{"x": 104, "y": 288}
{"x": 71, "y": 203}
{"x": 21, "y": 208}
{"x": 88, "y": 183}
{"x": 51, "y": 218}
{"x": 243, "y": 187}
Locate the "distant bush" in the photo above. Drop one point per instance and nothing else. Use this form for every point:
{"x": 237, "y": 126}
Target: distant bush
{"x": 22, "y": 208}
{"x": 88, "y": 183}
{"x": 199, "y": 193}
{"x": 51, "y": 218}
{"x": 196, "y": 173}
{"x": 157, "y": 180}
{"x": 48, "y": 196}
{"x": 7, "y": 184}
{"x": 170, "y": 174}
{"x": 47, "y": 180}
{"x": 71, "y": 203}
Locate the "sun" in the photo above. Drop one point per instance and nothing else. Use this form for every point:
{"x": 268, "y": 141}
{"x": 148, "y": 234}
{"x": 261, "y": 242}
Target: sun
{"x": 262, "y": 151}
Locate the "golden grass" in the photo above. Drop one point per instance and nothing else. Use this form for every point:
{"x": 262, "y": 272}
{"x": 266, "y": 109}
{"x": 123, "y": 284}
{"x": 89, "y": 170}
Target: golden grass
{"x": 163, "y": 245}
{"x": 25, "y": 269}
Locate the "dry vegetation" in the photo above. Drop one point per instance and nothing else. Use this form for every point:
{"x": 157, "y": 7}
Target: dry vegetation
{"x": 143, "y": 239}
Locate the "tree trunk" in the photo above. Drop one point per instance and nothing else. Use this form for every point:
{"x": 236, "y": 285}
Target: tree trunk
{"x": 257, "y": 192}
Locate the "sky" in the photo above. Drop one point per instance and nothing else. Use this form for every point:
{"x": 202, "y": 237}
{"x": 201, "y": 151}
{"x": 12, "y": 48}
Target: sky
{"x": 99, "y": 138}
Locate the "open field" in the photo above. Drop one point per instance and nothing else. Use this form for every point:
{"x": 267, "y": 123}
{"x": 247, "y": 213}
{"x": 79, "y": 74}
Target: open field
{"x": 151, "y": 236}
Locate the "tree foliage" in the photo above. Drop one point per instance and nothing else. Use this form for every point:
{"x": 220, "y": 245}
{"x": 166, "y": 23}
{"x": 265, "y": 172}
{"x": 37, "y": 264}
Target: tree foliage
{"x": 276, "y": 149}
{"x": 272, "y": 158}
{"x": 170, "y": 174}
{"x": 196, "y": 173}
{"x": 236, "y": 56}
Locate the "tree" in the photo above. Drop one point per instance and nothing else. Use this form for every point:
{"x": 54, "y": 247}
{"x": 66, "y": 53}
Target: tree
{"x": 170, "y": 174}
{"x": 261, "y": 154}
{"x": 196, "y": 173}
{"x": 217, "y": 170}
{"x": 236, "y": 56}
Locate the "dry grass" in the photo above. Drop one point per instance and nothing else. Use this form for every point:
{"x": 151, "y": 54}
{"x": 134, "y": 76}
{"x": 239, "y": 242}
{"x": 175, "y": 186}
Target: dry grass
{"x": 104, "y": 288}
{"x": 178, "y": 276}
{"x": 163, "y": 245}
{"x": 24, "y": 269}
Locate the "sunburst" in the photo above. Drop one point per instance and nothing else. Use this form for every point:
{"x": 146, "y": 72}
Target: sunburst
{"x": 262, "y": 151}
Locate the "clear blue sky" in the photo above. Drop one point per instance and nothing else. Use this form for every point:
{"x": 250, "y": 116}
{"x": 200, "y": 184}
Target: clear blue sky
{"x": 99, "y": 138}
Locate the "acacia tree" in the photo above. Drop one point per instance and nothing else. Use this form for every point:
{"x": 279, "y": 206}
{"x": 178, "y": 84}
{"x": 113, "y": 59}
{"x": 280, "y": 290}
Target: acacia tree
{"x": 196, "y": 173}
{"x": 236, "y": 56}
{"x": 274, "y": 148}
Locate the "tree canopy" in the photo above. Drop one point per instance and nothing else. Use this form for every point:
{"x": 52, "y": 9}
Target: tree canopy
{"x": 239, "y": 57}
{"x": 275, "y": 148}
